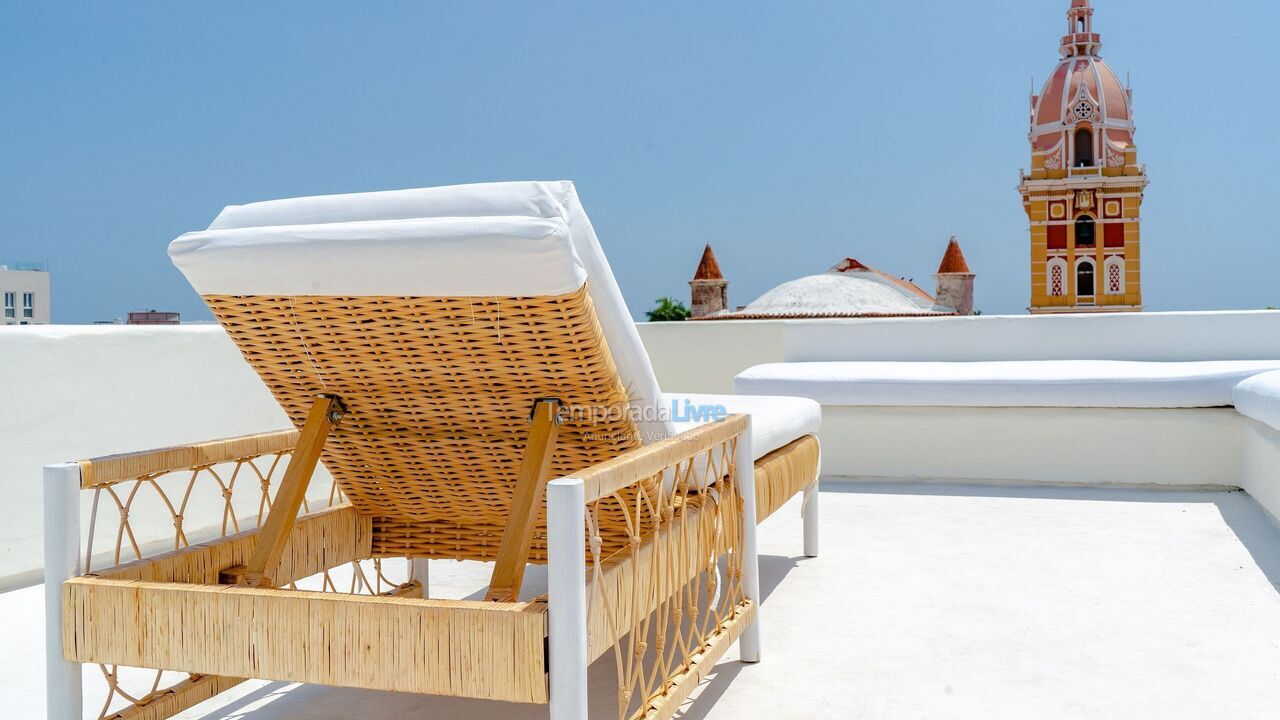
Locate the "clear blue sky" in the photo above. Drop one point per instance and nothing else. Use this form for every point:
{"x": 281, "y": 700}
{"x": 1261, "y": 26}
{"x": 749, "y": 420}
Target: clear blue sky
{"x": 787, "y": 134}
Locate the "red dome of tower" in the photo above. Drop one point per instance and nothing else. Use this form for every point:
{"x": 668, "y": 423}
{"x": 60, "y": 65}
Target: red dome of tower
{"x": 1083, "y": 92}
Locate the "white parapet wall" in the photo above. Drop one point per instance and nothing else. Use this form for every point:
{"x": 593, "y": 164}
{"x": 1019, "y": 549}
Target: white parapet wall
{"x": 75, "y": 392}
{"x": 1233, "y": 335}
{"x": 1260, "y": 463}
{"x": 1097, "y": 446}
{"x": 703, "y": 356}
{"x": 1214, "y": 446}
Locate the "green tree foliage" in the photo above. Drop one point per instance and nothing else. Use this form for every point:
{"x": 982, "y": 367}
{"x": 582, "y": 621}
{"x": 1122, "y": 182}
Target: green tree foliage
{"x": 668, "y": 310}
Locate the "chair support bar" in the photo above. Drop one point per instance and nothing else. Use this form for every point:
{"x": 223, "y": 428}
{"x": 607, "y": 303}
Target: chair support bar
{"x": 531, "y": 485}
{"x": 325, "y": 414}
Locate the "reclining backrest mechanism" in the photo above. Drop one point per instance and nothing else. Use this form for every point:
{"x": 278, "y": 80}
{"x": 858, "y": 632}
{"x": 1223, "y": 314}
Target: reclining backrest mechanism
{"x": 325, "y": 414}
{"x": 530, "y": 491}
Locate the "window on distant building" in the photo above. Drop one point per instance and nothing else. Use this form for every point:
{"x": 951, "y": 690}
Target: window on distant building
{"x": 10, "y": 304}
{"x": 28, "y": 305}
{"x": 1084, "y": 148}
{"x": 1084, "y": 278}
{"x": 1085, "y": 232}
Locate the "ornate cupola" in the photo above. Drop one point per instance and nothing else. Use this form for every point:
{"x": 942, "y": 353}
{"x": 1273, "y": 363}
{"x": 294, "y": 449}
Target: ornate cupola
{"x": 1080, "y": 38}
{"x": 1084, "y": 193}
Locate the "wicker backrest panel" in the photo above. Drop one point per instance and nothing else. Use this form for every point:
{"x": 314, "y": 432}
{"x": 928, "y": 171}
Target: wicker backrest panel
{"x": 438, "y": 391}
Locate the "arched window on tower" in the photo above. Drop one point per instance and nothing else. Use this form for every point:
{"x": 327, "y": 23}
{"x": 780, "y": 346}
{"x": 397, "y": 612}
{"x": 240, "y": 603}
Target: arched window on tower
{"x": 1113, "y": 268}
{"x": 1086, "y": 232}
{"x": 1084, "y": 278}
{"x": 1057, "y": 277}
{"x": 1084, "y": 147}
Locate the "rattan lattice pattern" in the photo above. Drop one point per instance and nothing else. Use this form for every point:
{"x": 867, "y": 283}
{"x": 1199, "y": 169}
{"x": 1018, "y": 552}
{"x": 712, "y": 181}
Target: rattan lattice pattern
{"x": 125, "y": 508}
{"x": 438, "y": 392}
{"x": 673, "y": 598}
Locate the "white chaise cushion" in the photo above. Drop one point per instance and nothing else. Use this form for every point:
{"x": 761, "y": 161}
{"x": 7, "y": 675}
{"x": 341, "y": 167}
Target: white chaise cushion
{"x": 1033, "y": 383}
{"x": 538, "y": 199}
{"x": 1258, "y": 397}
{"x": 775, "y": 421}
{"x": 425, "y": 256}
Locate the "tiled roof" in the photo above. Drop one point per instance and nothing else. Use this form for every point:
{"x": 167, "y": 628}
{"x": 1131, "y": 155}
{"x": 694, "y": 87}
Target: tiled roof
{"x": 708, "y": 268}
{"x": 853, "y": 265}
{"x": 851, "y": 289}
{"x": 953, "y": 260}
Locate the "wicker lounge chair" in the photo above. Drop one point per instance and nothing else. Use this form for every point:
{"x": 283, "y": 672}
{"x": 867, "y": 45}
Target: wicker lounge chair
{"x": 447, "y": 353}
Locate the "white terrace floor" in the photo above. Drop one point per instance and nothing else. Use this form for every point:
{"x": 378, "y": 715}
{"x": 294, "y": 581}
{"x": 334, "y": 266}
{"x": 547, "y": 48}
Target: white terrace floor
{"x": 928, "y": 602}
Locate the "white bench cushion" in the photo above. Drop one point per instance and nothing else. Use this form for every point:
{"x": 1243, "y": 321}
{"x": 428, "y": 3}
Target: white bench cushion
{"x": 775, "y": 421}
{"x": 534, "y": 199}
{"x": 1032, "y": 383}
{"x": 1259, "y": 398}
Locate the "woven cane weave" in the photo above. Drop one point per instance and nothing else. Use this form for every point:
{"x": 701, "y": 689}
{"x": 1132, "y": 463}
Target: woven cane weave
{"x": 461, "y": 648}
{"x": 783, "y": 473}
{"x": 438, "y": 392}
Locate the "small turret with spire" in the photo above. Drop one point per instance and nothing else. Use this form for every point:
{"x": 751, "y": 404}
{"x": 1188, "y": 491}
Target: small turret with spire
{"x": 955, "y": 280}
{"x": 708, "y": 288}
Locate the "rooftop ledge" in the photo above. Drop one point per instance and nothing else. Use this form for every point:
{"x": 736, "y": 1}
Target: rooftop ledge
{"x": 1018, "y": 580}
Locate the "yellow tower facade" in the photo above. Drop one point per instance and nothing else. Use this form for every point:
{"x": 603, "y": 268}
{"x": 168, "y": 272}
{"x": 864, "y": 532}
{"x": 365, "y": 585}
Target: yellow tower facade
{"x": 1083, "y": 195}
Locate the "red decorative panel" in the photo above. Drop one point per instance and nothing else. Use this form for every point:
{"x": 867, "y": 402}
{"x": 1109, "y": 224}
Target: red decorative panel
{"x": 1115, "y": 280}
{"x": 1057, "y": 237}
{"x": 1113, "y": 235}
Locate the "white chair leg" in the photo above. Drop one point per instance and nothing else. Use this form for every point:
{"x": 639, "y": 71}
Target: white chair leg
{"x": 63, "y": 689}
{"x": 567, "y": 598}
{"x": 809, "y": 512}
{"x": 744, "y": 461}
{"x": 419, "y": 569}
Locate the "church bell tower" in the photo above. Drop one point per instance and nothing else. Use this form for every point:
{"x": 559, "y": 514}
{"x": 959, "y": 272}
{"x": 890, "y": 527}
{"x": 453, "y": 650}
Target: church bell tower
{"x": 1084, "y": 193}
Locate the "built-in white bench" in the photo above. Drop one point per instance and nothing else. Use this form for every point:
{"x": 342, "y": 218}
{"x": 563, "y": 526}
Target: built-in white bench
{"x": 1258, "y": 402}
{"x": 1258, "y": 397}
{"x": 1061, "y": 421}
{"x": 1017, "y": 383}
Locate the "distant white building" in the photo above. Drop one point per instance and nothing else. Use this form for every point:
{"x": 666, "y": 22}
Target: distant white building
{"x": 848, "y": 290}
{"x": 24, "y": 291}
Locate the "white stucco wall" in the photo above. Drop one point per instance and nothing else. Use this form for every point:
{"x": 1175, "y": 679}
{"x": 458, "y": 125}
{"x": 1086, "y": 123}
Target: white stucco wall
{"x": 1247, "y": 335}
{"x": 695, "y": 356}
{"x": 704, "y": 356}
{"x": 1198, "y": 447}
{"x": 1102, "y": 446}
{"x": 82, "y": 391}
{"x": 1260, "y": 464}
{"x": 76, "y": 392}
